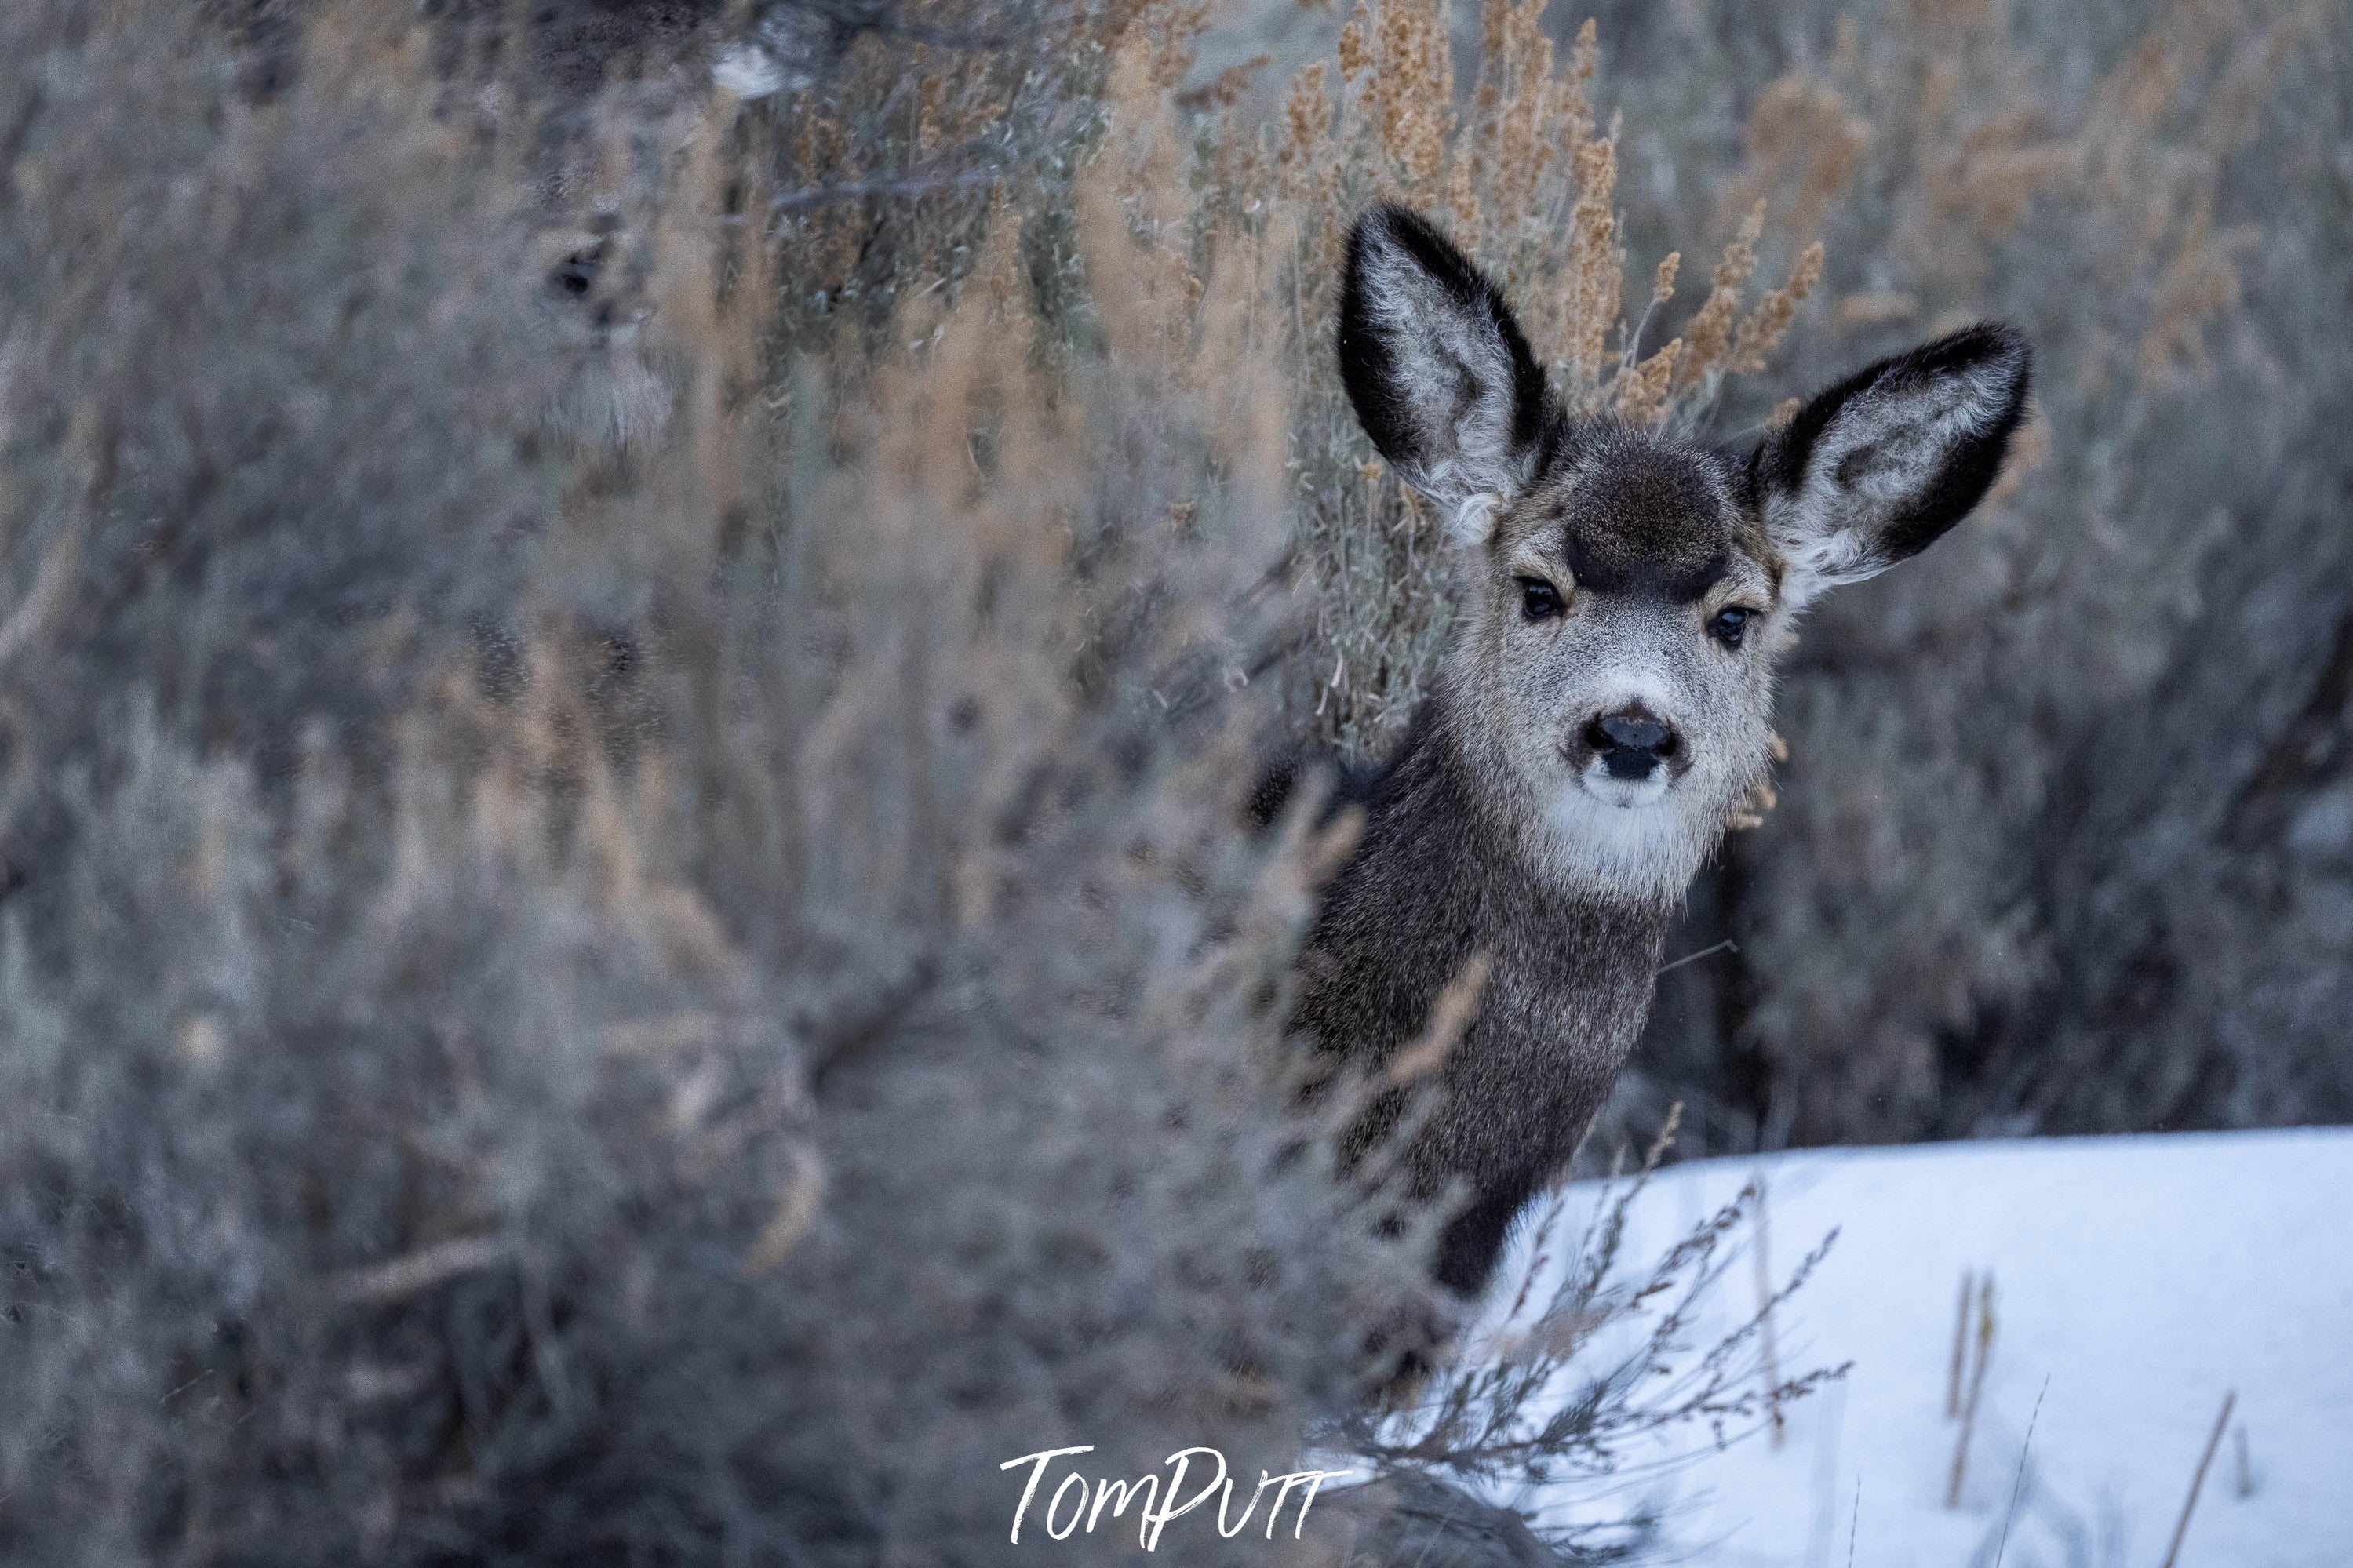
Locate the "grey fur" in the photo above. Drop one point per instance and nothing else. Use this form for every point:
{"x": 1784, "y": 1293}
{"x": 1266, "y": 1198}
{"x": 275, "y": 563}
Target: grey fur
{"x": 1512, "y": 825}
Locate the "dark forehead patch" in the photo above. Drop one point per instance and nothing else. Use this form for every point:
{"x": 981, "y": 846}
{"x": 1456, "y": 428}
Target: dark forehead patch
{"x": 1643, "y": 515}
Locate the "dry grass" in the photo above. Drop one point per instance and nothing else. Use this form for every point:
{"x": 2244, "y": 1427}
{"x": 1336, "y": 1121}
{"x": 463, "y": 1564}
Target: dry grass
{"x": 1525, "y": 174}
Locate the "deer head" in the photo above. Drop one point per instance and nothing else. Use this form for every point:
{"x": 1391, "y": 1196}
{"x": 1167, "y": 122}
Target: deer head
{"x": 1622, "y": 592}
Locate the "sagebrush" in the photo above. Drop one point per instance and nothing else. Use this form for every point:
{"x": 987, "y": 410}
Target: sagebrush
{"x": 627, "y": 937}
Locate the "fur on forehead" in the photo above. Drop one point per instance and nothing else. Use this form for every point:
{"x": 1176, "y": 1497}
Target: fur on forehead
{"x": 1621, "y": 503}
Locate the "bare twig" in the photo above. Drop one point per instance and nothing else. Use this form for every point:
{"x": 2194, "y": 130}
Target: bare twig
{"x": 1768, "y": 1356}
{"x": 419, "y": 1271}
{"x": 2190, "y": 1503}
{"x": 52, "y": 582}
{"x": 1726, "y": 945}
{"x": 2018, "y": 1482}
{"x": 1977, "y": 1388}
{"x": 884, "y": 185}
{"x": 796, "y": 1211}
{"x": 836, "y": 1035}
{"x": 1960, "y": 1347}
{"x": 1449, "y": 1017}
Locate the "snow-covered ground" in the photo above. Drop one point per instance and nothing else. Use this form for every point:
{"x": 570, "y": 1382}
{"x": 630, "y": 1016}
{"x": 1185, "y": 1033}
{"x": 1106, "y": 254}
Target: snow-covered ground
{"x": 2137, "y": 1281}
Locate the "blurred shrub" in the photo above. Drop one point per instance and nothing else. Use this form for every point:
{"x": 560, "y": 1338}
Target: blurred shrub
{"x": 626, "y": 937}
{"x": 571, "y": 999}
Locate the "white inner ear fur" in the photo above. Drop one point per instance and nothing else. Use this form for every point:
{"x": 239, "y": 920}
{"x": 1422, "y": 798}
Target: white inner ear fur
{"x": 1471, "y": 522}
{"x": 1449, "y": 364}
{"x": 1879, "y": 453}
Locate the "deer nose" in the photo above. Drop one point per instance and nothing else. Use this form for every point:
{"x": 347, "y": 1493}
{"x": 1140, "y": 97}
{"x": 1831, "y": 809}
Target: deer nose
{"x": 1632, "y": 742}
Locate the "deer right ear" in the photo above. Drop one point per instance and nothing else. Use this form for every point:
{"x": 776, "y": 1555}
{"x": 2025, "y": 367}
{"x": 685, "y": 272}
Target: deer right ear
{"x": 1439, "y": 371}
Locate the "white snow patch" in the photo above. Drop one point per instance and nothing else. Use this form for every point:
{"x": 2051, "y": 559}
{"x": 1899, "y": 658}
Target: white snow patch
{"x": 2136, "y": 1281}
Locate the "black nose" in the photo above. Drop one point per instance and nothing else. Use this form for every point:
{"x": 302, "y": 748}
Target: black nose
{"x": 1630, "y": 742}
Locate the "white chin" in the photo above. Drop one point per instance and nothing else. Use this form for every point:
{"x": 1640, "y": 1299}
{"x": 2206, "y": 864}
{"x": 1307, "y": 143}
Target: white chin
{"x": 1627, "y": 794}
{"x": 1620, "y": 837}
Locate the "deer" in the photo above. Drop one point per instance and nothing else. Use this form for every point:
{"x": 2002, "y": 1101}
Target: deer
{"x": 1602, "y": 711}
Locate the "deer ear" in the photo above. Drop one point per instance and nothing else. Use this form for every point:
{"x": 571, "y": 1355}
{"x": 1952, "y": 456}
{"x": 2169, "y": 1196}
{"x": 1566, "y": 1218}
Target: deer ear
{"x": 1439, "y": 371}
{"x": 1877, "y": 468}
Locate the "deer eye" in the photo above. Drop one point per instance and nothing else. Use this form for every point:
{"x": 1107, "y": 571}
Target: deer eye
{"x": 1539, "y": 600}
{"x": 1730, "y": 625}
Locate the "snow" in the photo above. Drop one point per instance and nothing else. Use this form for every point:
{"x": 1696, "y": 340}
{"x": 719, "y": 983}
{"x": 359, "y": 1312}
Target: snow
{"x": 2137, "y": 1281}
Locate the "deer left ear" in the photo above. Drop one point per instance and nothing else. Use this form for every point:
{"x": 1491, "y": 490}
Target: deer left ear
{"x": 1441, "y": 374}
{"x": 1877, "y": 468}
